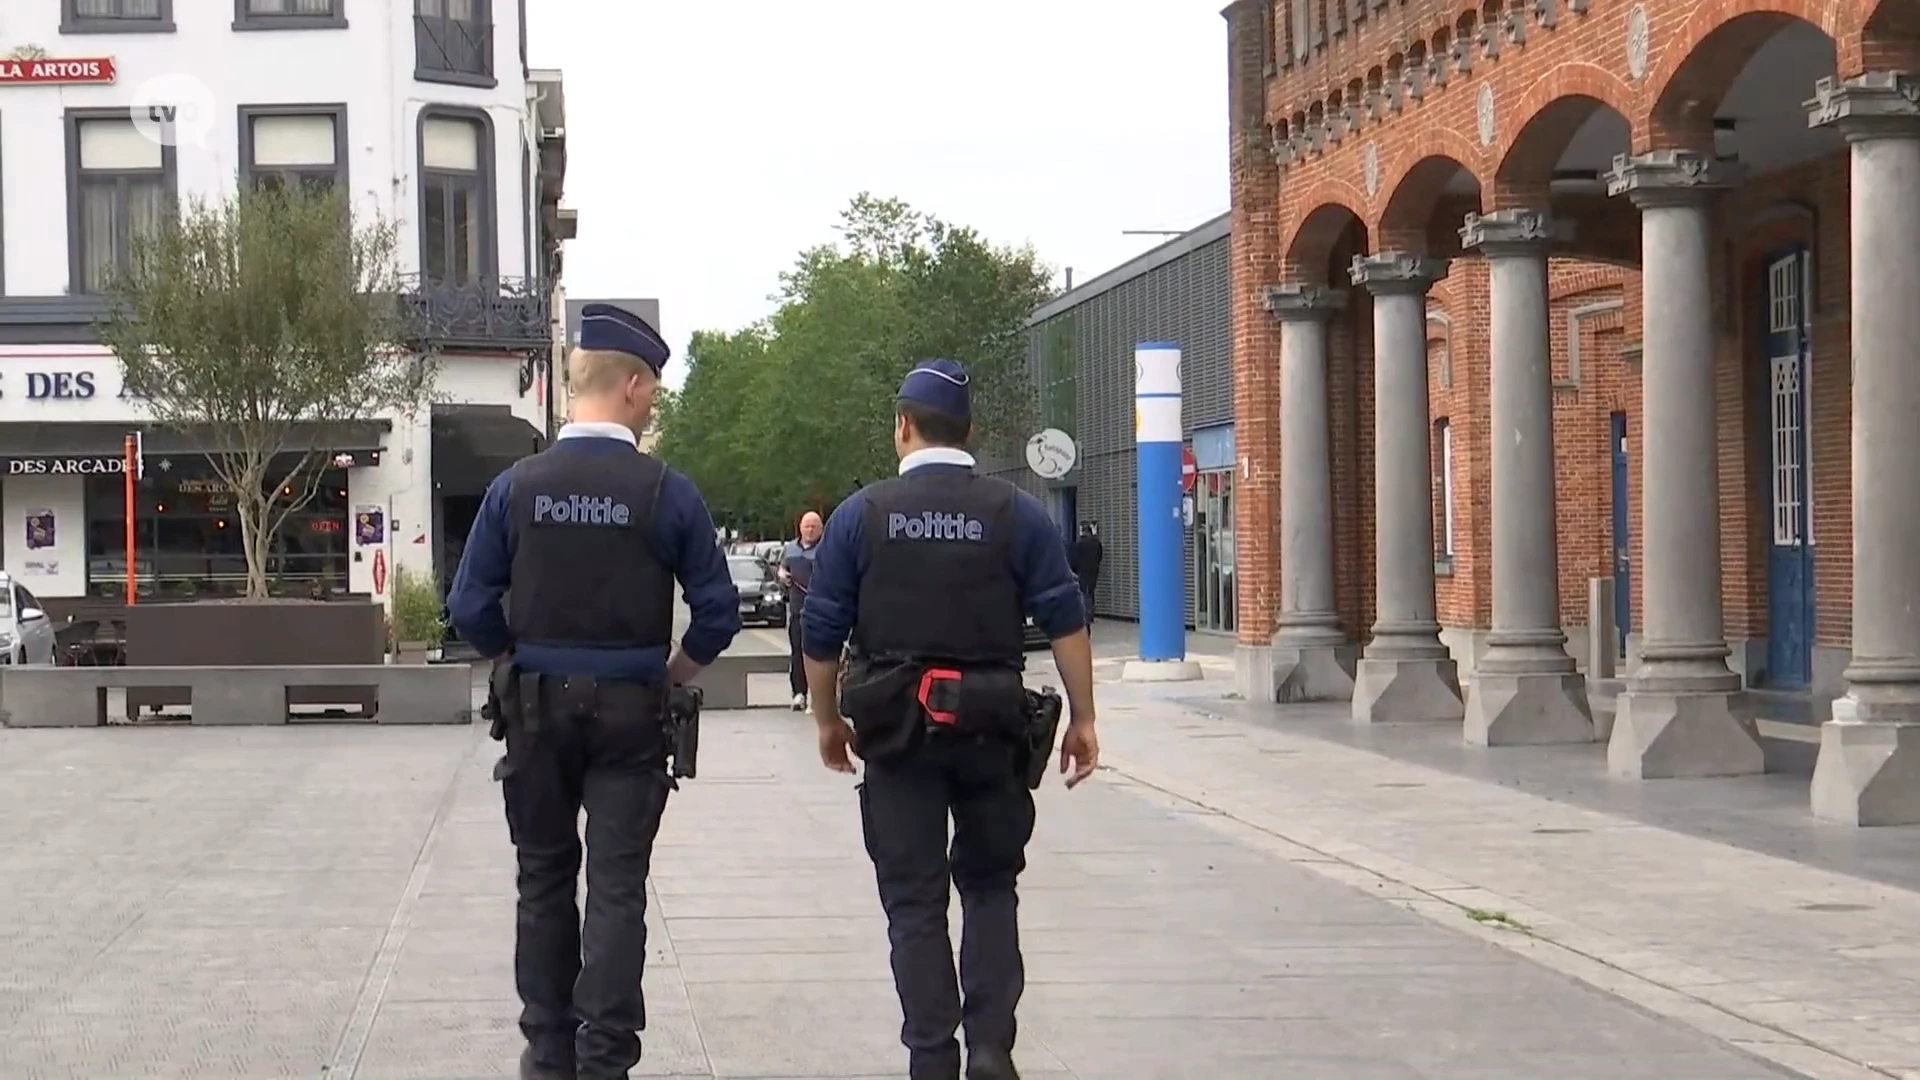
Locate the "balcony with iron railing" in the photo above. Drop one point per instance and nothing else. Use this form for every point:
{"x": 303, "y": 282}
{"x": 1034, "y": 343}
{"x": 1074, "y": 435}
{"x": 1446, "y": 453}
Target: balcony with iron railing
{"x": 502, "y": 314}
{"x": 453, "y": 50}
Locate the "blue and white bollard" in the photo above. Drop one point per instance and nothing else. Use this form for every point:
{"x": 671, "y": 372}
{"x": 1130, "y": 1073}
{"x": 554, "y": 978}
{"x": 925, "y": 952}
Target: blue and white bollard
{"x": 1158, "y": 441}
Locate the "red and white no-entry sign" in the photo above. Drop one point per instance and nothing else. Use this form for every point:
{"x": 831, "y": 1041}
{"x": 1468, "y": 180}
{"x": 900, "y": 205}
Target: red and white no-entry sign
{"x": 1189, "y": 468}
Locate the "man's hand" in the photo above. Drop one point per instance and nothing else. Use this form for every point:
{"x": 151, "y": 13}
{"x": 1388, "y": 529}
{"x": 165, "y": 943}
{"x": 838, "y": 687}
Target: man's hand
{"x": 835, "y": 743}
{"x": 1079, "y": 751}
{"x": 680, "y": 668}
{"x": 785, "y": 578}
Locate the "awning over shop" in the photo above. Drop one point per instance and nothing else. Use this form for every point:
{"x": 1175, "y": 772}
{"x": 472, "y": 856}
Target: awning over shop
{"x": 83, "y": 447}
{"x": 472, "y": 444}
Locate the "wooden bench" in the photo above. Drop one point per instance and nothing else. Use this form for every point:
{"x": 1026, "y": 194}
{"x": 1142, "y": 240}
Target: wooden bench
{"x": 60, "y": 697}
{"x": 725, "y": 681}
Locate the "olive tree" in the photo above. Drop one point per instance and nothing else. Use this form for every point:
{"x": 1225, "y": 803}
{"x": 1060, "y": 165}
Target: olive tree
{"x": 254, "y": 322}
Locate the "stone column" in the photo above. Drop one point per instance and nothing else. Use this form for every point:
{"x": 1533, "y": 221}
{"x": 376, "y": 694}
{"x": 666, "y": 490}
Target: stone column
{"x": 1868, "y": 772}
{"x": 1525, "y": 690}
{"x": 1675, "y": 718}
{"x": 1406, "y": 673}
{"x": 1311, "y": 660}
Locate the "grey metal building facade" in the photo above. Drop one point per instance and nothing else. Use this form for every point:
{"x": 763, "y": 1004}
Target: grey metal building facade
{"x": 1080, "y": 362}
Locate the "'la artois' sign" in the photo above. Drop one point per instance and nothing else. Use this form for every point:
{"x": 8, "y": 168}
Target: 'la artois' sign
{"x": 46, "y": 70}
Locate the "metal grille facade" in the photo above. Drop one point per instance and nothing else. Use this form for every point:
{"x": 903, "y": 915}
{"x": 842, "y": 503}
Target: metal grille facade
{"x": 1080, "y": 361}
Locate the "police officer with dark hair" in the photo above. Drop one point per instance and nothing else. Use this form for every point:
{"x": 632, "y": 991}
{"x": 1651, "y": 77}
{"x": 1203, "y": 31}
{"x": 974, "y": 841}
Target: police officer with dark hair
{"x": 589, "y": 536}
{"x": 930, "y": 575}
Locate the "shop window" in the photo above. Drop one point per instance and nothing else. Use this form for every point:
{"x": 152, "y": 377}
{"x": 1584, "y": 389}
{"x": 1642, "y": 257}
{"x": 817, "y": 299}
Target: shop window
{"x": 281, "y": 148}
{"x": 187, "y": 536}
{"x": 455, "y": 172}
{"x": 122, "y": 186}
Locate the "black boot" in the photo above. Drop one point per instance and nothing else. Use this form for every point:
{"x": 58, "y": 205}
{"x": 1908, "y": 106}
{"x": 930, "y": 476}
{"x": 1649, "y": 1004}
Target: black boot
{"x": 531, "y": 1069}
{"x": 991, "y": 1065}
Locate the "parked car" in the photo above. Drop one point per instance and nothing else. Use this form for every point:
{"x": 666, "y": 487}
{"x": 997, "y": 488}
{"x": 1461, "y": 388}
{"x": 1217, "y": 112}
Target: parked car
{"x": 769, "y": 552}
{"x": 26, "y": 632}
{"x": 762, "y": 599}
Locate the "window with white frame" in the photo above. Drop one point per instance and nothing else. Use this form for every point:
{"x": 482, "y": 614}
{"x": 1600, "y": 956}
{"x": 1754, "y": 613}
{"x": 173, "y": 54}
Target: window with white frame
{"x": 1786, "y": 309}
{"x": 1807, "y": 299}
{"x": 284, "y": 149}
{"x": 123, "y": 189}
{"x": 1443, "y": 456}
{"x": 454, "y": 245}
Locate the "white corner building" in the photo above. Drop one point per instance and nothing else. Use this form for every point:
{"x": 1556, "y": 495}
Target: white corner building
{"x": 426, "y": 111}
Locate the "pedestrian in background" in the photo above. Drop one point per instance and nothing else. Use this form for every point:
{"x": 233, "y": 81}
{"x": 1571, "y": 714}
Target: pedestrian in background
{"x": 796, "y": 573}
{"x": 590, "y": 534}
{"x": 1088, "y": 552}
{"x": 931, "y": 574}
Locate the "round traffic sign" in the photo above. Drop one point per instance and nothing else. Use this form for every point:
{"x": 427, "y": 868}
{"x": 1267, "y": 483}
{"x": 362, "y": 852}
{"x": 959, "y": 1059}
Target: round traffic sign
{"x": 1051, "y": 454}
{"x": 1189, "y": 468}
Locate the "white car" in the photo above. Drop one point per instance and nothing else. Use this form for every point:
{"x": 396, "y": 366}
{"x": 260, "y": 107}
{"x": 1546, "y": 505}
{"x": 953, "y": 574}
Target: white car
{"x": 26, "y": 632}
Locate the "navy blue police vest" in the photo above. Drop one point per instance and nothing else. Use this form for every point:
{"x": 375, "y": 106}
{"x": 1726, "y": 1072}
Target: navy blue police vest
{"x": 584, "y": 570}
{"x": 939, "y": 582}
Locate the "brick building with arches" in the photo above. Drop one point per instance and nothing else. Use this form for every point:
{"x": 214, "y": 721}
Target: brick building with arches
{"x": 1531, "y": 292}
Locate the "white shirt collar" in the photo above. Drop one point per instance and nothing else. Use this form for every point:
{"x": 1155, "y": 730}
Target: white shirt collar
{"x": 597, "y": 430}
{"x": 935, "y": 455}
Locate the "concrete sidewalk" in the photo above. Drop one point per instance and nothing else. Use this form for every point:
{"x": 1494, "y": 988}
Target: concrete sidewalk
{"x": 307, "y": 902}
{"x": 1797, "y": 942}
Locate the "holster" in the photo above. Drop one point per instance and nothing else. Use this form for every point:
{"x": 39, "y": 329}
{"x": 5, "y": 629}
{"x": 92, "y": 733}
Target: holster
{"x": 1043, "y": 709}
{"x": 683, "y": 731}
{"x": 505, "y": 709}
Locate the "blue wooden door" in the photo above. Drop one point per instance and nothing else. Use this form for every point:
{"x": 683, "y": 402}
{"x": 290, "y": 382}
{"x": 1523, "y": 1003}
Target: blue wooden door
{"x": 1622, "y": 539}
{"x": 1790, "y": 542}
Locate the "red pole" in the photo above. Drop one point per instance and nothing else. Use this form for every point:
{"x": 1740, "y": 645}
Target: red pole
{"x": 132, "y": 580}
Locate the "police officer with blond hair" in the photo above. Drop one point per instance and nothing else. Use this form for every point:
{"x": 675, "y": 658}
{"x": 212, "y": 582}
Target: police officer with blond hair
{"x": 589, "y": 536}
{"x": 931, "y": 575}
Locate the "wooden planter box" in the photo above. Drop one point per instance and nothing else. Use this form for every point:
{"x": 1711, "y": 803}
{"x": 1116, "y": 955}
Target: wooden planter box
{"x": 248, "y": 633}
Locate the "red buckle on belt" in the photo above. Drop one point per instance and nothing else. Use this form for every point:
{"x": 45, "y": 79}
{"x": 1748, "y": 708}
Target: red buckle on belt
{"x": 927, "y": 680}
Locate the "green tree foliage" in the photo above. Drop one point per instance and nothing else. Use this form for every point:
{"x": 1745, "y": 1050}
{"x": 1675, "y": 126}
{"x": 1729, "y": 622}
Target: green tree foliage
{"x": 796, "y": 412}
{"x": 252, "y": 322}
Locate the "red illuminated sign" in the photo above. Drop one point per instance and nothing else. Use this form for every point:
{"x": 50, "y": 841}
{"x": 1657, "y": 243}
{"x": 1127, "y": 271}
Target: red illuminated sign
{"x": 93, "y": 69}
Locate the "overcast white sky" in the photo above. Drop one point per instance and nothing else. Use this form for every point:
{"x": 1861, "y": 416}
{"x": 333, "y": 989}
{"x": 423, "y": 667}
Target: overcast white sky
{"x": 709, "y": 141}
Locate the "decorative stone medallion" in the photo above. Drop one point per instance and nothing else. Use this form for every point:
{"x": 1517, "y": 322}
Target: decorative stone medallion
{"x": 1485, "y": 110}
{"x": 1637, "y": 41}
{"x": 1370, "y": 169}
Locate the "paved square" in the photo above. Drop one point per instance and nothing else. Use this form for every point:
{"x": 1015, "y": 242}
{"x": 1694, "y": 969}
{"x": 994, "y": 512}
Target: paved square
{"x": 336, "y": 901}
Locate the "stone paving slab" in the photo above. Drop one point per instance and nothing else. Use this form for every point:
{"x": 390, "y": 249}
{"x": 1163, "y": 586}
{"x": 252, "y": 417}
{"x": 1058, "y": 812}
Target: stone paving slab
{"x": 336, "y": 902}
{"x": 1810, "y": 968}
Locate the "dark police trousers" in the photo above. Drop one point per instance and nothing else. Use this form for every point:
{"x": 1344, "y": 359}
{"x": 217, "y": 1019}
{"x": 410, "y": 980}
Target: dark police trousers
{"x": 580, "y": 984}
{"x": 796, "y": 661}
{"x": 904, "y": 806}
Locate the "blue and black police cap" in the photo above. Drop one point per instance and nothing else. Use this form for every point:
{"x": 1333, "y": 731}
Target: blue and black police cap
{"x": 604, "y": 327}
{"x": 939, "y": 386}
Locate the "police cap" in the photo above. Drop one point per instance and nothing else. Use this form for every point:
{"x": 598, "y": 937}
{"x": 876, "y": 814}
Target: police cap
{"x": 940, "y": 386}
{"x": 604, "y": 327}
